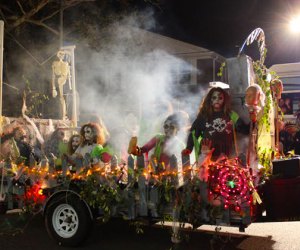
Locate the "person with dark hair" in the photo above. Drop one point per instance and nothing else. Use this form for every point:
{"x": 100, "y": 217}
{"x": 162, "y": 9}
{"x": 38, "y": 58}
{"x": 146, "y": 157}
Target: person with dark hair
{"x": 73, "y": 143}
{"x": 215, "y": 122}
{"x": 55, "y": 147}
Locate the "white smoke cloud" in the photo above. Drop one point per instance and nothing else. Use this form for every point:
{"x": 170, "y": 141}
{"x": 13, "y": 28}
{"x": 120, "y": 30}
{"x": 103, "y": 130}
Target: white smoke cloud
{"x": 126, "y": 80}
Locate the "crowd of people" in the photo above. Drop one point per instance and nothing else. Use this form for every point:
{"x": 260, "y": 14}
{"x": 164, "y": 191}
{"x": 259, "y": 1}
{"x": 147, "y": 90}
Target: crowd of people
{"x": 62, "y": 147}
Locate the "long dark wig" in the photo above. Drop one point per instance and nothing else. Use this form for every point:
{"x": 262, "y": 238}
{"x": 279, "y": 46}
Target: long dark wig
{"x": 206, "y": 109}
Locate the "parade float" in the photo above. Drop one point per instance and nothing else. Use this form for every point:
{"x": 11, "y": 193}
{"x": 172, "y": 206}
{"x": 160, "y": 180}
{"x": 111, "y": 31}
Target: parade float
{"x": 230, "y": 191}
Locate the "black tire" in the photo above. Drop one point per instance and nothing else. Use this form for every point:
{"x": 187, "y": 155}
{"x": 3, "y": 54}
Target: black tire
{"x": 67, "y": 220}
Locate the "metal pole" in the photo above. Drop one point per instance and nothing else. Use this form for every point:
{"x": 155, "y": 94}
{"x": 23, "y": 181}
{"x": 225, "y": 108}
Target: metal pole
{"x": 1, "y": 62}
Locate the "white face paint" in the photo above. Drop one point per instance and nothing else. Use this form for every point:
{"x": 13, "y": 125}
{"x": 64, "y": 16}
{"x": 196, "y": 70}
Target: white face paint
{"x": 217, "y": 101}
{"x": 170, "y": 129}
{"x": 88, "y": 134}
{"x": 75, "y": 142}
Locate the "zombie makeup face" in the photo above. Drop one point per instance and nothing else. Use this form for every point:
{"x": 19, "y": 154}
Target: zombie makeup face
{"x": 170, "y": 129}
{"x": 217, "y": 100}
{"x": 75, "y": 142}
{"x": 88, "y": 134}
{"x": 20, "y": 134}
{"x": 252, "y": 96}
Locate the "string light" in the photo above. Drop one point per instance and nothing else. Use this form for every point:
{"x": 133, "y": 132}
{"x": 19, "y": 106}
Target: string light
{"x": 225, "y": 179}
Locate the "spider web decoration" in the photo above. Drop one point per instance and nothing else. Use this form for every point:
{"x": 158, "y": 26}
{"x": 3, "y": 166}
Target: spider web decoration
{"x": 230, "y": 182}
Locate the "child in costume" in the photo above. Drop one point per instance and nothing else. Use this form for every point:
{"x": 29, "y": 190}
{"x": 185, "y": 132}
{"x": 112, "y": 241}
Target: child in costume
{"x": 165, "y": 145}
{"x": 91, "y": 150}
{"x": 217, "y": 123}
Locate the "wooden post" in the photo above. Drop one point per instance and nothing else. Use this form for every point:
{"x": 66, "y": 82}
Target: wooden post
{"x": 130, "y": 194}
{"x": 143, "y": 190}
{"x": 1, "y": 62}
{"x": 74, "y": 92}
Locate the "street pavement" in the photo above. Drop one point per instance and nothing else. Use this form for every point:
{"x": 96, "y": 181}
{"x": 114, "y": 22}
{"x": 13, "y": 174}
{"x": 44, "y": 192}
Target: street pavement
{"x": 29, "y": 233}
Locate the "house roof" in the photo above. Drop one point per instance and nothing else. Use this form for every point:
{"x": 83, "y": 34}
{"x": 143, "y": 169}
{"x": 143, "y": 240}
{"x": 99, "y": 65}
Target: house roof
{"x": 156, "y": 41}
{"x": 286, "y": 69}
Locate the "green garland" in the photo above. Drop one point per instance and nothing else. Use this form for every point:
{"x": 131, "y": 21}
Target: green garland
{"x": 100, "y": 194}
{"x": 265, "y": 155}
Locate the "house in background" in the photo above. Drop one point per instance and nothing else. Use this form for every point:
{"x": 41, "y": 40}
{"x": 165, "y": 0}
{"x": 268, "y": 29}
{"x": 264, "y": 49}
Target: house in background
{"x": 207, "y": 62}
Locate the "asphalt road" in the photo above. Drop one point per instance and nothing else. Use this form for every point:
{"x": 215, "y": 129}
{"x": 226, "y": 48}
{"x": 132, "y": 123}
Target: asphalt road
{"x": 29, "y": 233}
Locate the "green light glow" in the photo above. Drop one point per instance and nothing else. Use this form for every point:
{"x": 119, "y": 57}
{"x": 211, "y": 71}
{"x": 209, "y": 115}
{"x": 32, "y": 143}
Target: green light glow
{"x": 231, "y": 184}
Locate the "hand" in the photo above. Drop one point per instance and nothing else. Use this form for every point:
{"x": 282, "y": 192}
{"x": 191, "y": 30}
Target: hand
{"x": 206, "y": 146}
{"x": 137, "y": 151}
{"x": 206, "y": 152}
{"x": 186, "y": 152}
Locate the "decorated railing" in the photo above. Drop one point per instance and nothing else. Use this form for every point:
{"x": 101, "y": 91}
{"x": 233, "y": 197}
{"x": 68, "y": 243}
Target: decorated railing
{"x": 221, "y": 193}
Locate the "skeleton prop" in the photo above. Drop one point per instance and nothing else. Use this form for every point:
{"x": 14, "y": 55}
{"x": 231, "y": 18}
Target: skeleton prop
{"x": 60, "y": 74}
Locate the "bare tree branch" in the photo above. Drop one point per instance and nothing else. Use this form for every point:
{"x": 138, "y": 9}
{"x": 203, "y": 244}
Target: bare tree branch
{"x": 29, "y": 14}
{"x": 21, "y": 7}
{"x": 72, "y": 3}
{"x": 3, "y": 7}
{"x": 39, "y": 23}
{"x": 50, "y": 16}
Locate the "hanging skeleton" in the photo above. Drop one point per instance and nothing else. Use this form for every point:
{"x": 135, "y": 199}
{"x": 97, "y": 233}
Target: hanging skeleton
{"x": 60, "y": 75}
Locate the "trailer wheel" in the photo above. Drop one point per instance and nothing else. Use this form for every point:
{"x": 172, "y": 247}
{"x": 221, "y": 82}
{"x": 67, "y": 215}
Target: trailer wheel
{"x": 67, "y": 220}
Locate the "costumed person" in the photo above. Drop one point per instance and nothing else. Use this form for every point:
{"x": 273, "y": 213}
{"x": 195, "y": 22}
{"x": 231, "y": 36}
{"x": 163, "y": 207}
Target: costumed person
{"x": 60, "y": 75}
{"x": 73, "y": 144}
{"x": 55, "y": 147}
{"x": 163, "y": 147}
{"x": 255, "y": 102}
{"x": 152, "y": 118}
{"x": 216, "y": 122}
{"x": 276, "y": 87}
{"x": 91, "y": 151}
{"x": 16, "y": 146}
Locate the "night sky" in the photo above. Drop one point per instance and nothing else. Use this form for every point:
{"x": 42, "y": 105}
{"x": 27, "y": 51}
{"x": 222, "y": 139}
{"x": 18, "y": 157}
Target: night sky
{"x": 223, "y": 25}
